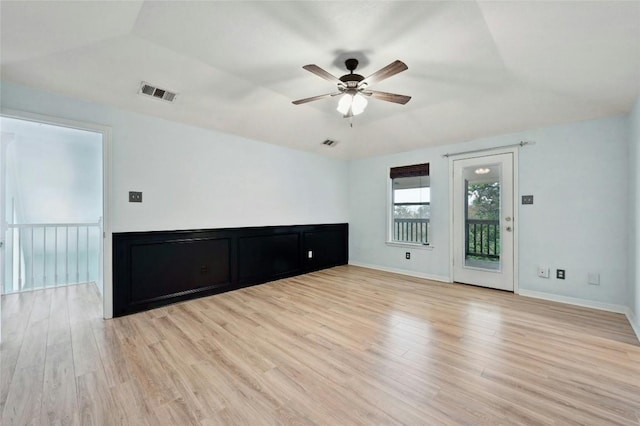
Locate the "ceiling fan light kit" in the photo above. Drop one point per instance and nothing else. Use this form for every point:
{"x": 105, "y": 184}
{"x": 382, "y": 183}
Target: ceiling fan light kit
{"x": 351, "y": 105}
{"x": 354, "y": 87}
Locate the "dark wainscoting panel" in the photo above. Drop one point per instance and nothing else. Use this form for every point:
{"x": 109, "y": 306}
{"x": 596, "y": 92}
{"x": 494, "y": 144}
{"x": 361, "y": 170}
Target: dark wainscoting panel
{"x": 315, "y": 244}
{"x": 163, "y": 268}
{"x": 270, "y": 255}
{"x": 152, "y": 269}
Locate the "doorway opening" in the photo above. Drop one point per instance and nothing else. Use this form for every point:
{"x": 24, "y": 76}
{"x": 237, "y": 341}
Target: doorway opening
{"x": 52, "y": 202}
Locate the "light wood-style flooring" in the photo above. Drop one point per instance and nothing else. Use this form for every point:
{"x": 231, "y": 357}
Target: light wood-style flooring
{"x": 342, "y": 346}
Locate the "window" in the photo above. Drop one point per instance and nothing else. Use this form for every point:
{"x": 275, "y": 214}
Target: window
{"x": 410, "y": 204}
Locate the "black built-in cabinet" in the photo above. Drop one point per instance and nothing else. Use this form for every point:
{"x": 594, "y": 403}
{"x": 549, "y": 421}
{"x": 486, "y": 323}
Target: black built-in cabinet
{"x": 152, "y": 269}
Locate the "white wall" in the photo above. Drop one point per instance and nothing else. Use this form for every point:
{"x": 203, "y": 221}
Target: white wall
{"x": 578, "y": 175}
{"x": 194, "y": 178}
{"x": 634, "y": 215}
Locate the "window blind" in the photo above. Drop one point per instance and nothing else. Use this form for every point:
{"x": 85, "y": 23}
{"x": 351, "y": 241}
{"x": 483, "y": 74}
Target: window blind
{"x": 409, "y": 171}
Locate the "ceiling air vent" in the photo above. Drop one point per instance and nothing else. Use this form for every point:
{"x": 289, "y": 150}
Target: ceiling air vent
{"x": 329, "y": 142}
{"x": 156, "y": 92}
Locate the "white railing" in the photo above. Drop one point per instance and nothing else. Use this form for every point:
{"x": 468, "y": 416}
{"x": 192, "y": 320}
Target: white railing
{"x": 43, "y": 255}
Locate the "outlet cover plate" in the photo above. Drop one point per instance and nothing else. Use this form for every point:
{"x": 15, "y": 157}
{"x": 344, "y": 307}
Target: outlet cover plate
{"x": 135, "y": 196}
{"x": 543, "y": 272}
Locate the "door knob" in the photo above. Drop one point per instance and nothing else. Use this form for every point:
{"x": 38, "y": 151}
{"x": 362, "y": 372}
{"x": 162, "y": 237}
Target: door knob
{"x": 508, "y": 229}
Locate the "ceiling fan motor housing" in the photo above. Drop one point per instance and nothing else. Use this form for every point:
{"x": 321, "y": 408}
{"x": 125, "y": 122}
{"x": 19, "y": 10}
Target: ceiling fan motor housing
{"x": 351, "y": 79}
{"x": 351, "y": 64}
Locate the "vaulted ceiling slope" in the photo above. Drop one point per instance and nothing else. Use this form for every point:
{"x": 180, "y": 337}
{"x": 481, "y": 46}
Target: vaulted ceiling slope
{"x": 475, "y": 68}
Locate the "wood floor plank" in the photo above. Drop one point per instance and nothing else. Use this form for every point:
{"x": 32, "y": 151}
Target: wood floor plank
{"x": 34, "y": 342}
{"x": 59, "y": 397}
{"x": 24, "y": 396}
{"x": 86, "y": 358}
{"x": 8, "y": 361}
{"x": 95, "y": 403}
{"x": 59, "y": 329}
{"x": 110, "y": 352}
{"x": 145, "y": 370}
{"x": 16, "y": 310}
{"x": 346, "y": 345}
{"x": 129, "y": 405}
{"x": 24, "y": 399}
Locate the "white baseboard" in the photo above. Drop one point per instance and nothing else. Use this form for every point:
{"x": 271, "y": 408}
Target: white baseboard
{"x": 401, "y": 271}
{"x": 609, "y": 307}
{"x": 634, "y": 321}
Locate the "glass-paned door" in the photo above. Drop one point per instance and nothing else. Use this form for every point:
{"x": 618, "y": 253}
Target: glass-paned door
{"x": 483, "y": 221}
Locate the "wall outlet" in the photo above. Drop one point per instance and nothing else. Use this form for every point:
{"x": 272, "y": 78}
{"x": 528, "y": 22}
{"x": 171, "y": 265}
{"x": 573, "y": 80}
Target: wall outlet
{"x": 135, "y": 197}
{"x": 310, "y": 254}
{"x": 560, "y": 274}
{"x": 407, "y": 255}
{"x": 527, "y": 199}
{"x": 543, "y": 272}
{"x": 594, "y": 278}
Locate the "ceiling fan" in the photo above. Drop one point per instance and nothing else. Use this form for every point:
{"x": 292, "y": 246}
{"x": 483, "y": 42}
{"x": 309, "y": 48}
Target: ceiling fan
{"x": 355, "y": 87}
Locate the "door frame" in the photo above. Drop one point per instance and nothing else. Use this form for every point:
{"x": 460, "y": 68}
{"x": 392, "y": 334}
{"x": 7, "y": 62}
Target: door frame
{"x": 516, "y": 207}
{"x": 3, "y": 222}
{"x": 107, "y": 279}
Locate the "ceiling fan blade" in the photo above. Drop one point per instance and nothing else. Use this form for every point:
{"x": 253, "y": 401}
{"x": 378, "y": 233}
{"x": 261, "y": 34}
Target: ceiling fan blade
{"x": 392, "y": 69}
{"x": 315, "y": 98}
{"x": 322, "y": 73}
{"x": 389, "y": 97}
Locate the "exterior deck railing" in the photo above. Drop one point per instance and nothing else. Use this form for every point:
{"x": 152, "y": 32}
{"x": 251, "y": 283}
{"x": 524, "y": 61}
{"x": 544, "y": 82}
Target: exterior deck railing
{"x": 411, "y": 230}
{"x": 483, "y": 238}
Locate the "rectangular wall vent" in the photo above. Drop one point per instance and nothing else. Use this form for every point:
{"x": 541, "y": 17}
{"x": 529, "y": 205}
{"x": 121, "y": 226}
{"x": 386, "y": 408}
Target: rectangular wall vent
{"x": 329, "y": 142}
{"x": 155, "y": 92}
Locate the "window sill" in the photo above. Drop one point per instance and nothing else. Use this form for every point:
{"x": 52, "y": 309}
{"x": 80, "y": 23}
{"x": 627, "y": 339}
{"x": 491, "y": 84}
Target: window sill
{"x": 409, "y": 245}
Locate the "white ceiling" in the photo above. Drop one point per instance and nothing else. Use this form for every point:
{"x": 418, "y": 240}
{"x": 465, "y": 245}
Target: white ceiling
{"x": 475, "y": 68}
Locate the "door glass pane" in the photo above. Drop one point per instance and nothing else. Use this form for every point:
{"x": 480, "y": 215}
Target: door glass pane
{"x": 482, "y": 216}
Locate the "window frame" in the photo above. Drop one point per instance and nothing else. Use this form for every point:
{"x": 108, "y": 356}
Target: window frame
{"x": 390, "y": 215}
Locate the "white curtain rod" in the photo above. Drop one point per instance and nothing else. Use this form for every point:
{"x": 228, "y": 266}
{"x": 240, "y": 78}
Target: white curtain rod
{"x": 522, "y": 143}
